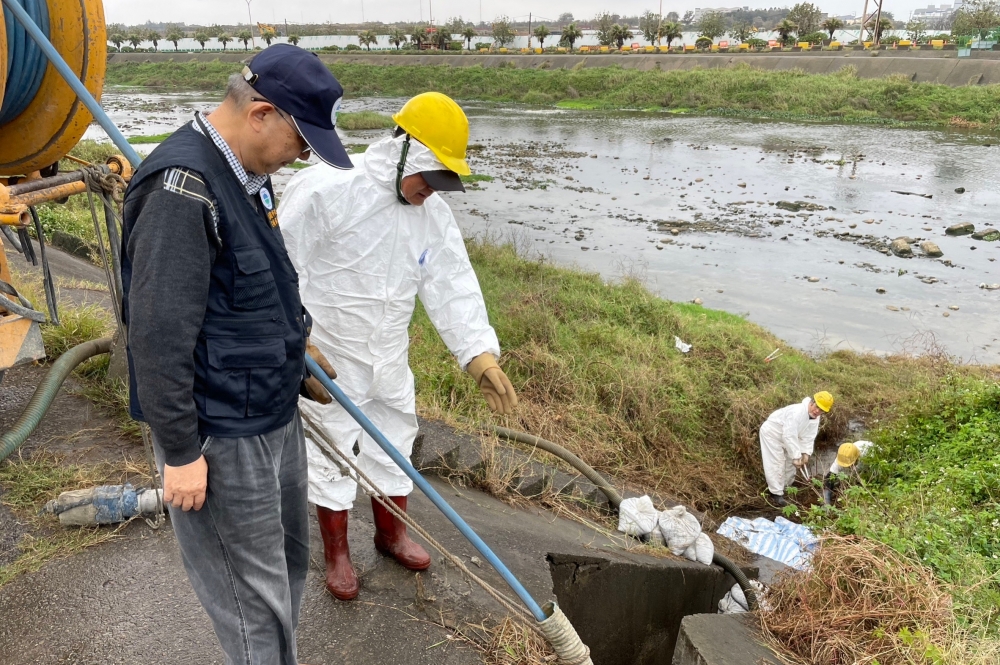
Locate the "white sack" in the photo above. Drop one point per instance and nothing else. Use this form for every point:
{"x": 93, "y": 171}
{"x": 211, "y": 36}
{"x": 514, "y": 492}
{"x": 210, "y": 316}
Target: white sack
{"x": 735, "y": 601}
{"x": 701, "y": 550}
{"x": 679, "y": 529}
{"x": 637, "y": 516}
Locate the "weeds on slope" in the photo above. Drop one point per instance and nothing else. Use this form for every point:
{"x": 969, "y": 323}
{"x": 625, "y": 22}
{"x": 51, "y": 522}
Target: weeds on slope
{"x": 790, "y": 94}
{"x": 597, "y": 371}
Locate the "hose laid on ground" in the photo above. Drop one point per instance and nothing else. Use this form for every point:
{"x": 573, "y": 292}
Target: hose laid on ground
{"x": 46, "y": 392}
{"x": 613, "y": 496}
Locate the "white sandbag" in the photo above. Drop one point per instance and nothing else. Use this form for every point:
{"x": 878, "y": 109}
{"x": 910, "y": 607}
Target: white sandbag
{"x": 679, "y": 529}
{"x": 637, "y": 516}
{"x": 735, "y": 601}
{"x": 701, "y": 550}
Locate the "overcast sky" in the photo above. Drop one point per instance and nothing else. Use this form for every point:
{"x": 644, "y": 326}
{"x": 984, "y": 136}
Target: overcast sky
{"x": 350, "y": 11}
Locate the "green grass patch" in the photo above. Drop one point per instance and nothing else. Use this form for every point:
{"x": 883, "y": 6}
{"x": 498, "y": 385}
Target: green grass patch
{"x": 152, "y": 138}
{"x": 298, "y": 166}
{"x": 364, "y": 120}
{"x": 787, "y": 94}
{"x": 476, "y": 177}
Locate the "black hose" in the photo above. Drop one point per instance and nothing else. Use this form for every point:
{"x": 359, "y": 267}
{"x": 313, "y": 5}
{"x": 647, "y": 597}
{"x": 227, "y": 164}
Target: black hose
{"x": 46, "y": 392}
{"x": 614, "y": 497}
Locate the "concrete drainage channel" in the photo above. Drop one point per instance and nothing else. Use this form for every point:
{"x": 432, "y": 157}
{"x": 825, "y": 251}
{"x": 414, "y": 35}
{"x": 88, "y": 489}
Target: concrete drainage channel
{"x": 629, "y": 608}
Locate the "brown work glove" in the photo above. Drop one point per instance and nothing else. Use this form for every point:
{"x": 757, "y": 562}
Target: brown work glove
{"x": 312, "y": 384}
{"x": 496, "y": 387}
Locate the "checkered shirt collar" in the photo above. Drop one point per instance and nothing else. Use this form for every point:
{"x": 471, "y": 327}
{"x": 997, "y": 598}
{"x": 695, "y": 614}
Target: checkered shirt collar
{"x": 251, "y": 182}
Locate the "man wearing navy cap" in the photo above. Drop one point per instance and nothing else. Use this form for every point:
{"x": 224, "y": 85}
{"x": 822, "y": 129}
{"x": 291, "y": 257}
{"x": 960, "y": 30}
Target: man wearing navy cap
{"x": 216, "y": 342}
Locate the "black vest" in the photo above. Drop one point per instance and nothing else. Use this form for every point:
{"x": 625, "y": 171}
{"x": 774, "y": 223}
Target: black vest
{"x": 249, "y": 359}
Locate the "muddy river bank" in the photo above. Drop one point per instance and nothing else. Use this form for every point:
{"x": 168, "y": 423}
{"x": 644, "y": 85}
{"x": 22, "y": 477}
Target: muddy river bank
{"x": 788, "y": 224}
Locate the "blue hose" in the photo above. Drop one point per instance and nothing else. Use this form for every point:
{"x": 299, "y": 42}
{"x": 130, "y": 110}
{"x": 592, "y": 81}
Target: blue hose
{"x": 25, "y": 61}
{"x": 427, "y": 489}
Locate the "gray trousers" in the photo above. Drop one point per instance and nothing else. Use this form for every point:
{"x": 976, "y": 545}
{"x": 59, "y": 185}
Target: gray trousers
{"x": 246, "y": 551}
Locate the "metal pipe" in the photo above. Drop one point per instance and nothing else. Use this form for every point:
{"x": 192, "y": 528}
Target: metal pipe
{"x": 81, "y": 91}
{"x": 44, "y": 183}
{"x": 426, "y": 488}
{"x": 48, "y": 194}
{"x": 17, "y": 216}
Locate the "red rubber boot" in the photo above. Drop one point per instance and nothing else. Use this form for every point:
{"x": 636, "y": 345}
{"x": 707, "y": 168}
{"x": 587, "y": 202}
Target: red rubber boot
{"x": 341, "y": 580}
{"x": 391, "y": 537}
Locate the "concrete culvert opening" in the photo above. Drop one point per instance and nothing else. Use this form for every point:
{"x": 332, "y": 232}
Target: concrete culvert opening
{"x": 628, "y": 609}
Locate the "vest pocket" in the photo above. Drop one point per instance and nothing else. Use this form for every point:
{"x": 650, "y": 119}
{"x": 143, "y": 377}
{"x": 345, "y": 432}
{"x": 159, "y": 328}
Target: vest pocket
{"x": 253, "y": 282}
{"x": 244, "y": 376}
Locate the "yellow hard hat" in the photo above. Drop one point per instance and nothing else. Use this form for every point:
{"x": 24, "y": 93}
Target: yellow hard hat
{"x": 440, "y": 124}
{"x": 847, "y": 455}
{"x": 824, "y": 400}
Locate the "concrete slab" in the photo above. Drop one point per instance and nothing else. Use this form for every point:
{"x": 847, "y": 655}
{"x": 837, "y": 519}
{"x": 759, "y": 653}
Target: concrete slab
{"x": 721, "y": 639}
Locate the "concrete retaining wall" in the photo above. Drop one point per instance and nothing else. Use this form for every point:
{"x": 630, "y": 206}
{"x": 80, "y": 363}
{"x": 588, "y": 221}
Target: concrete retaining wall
{"x": 721, "y": 639}
{"x": 919, "y": 66}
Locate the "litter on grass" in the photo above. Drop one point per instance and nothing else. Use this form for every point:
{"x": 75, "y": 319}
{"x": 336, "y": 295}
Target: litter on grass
{"x": 791, "y": 544}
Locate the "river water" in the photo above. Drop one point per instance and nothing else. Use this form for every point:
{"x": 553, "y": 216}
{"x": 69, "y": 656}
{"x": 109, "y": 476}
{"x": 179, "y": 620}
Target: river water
{"x": 602, "y": 191}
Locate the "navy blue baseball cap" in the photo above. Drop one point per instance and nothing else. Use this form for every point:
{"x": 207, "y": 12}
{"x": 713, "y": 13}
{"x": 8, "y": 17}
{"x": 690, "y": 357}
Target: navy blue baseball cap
{"x": 295, "y": 81}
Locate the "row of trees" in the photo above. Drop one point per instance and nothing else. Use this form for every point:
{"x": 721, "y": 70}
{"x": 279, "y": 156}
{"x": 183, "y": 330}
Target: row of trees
{"x": 174, "y": 35}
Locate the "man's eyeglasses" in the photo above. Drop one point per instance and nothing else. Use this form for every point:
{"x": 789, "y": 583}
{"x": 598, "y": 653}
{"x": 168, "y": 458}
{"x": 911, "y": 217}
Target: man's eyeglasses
{"x": 284, "y": 117}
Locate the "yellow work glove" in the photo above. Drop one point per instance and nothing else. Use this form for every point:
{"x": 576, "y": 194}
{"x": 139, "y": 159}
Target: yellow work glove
{"x": 496, "y": 387}
{"x": 312, "y": 384}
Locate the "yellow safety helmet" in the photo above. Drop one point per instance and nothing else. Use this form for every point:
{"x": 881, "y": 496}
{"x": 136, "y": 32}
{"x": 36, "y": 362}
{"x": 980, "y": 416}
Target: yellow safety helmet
{"x": 847, "y": 455}
{"x": 440, "y": 124}
{"x": 824, "y": 401}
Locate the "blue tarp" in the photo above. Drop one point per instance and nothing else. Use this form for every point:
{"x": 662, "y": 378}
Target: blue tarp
{"x": 791, "y": 544}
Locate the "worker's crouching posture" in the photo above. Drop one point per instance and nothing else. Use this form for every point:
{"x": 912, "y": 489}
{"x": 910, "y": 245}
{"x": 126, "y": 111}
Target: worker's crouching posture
{"x": 787, "y": 439}
{"x": 217, "y": 337}
{"x": 366, "y": 243}
{"x": 848, "y": 459}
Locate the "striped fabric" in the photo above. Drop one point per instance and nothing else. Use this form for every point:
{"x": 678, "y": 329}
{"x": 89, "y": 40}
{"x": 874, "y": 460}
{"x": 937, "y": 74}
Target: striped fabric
{"x": 791, "y": 544}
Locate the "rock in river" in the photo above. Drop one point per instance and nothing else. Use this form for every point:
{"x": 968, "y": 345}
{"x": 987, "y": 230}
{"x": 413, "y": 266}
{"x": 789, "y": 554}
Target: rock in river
{"x": 931, "y": 249}
{"x": 901, "y": 248}
{"x": 960, "y": 229}
{"x": 986, "y": 234}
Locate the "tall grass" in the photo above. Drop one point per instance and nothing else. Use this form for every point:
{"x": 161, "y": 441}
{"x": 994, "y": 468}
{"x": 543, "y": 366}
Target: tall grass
{"x": 597, "y": 369}
{"x": 735, "y": 90}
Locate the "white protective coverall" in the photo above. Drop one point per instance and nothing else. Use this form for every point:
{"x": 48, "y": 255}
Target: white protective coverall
{"x": 363, "y": 258}
{"x": 784, "y": 437}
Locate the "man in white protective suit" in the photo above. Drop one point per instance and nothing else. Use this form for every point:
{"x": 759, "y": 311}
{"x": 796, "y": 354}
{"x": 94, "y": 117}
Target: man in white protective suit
{"x": 366, "y": 243}
{"x": 787, "y": 438}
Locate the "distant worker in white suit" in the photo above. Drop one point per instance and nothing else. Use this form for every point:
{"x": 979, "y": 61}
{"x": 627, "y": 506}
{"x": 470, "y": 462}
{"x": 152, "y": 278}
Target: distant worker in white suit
{"x": 787, "y": 438}
{"x": 365, "y": 244}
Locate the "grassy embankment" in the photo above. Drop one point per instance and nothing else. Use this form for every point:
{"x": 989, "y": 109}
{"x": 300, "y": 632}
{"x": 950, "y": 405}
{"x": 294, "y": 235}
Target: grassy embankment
{"x": 741, "y": 91}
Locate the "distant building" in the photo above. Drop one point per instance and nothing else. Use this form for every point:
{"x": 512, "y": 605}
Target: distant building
{"x": 931, "y": 12}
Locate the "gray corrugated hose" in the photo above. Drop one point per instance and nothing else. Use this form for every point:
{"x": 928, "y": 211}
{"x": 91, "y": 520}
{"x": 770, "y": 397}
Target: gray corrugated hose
{"x": 46, "y": 392}
{"x": 613, "y": 496}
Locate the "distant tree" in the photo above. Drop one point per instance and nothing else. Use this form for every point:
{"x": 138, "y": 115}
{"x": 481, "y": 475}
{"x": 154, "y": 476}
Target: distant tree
{"x": 742, "y": 31}
{"x": 268, "y": 34}
{"x": 671, "y": 30}
{"x": 244, "y": 36}
{"x": 570, "y": 34}
{"x": 468, "y": 34}
{"x": 565, "y": 18}
{"x": 916, "y": 30}
{"x": 503, "y": 33}
{"x": 688, "y": 18}
{"x": 174, "y": 35}
{"x": 117, "y": 39}
{"x": 884, "y": 24}
{"x": 976, "y": 17}
{"x": 673, "y": 16}
{"x": 442, "y": 38}
{"x": 649, "y": 24}
{"x": 785, "y": 29}
{"x": 155, "y": 38}
{"x": 201, "y": 38}
{"x": 806, "y": 16}
{"x": 712, "y": 25}
{"x": 605, "y": 22}
{"x": 703, "y": 42}
{"x": 418, "y": 35}
{"x": 619, "y": 33}
{"x": 832, "y": 25}
{"x": 294, "y": 39}
{"x": 542, "y": 32}
{"x": 224, "y": 38}
{"x": 214, "y": 30}
{"x": 367, "y": 38}
{"x": 397, "y": 37}
{"x": 134, "y": 38}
